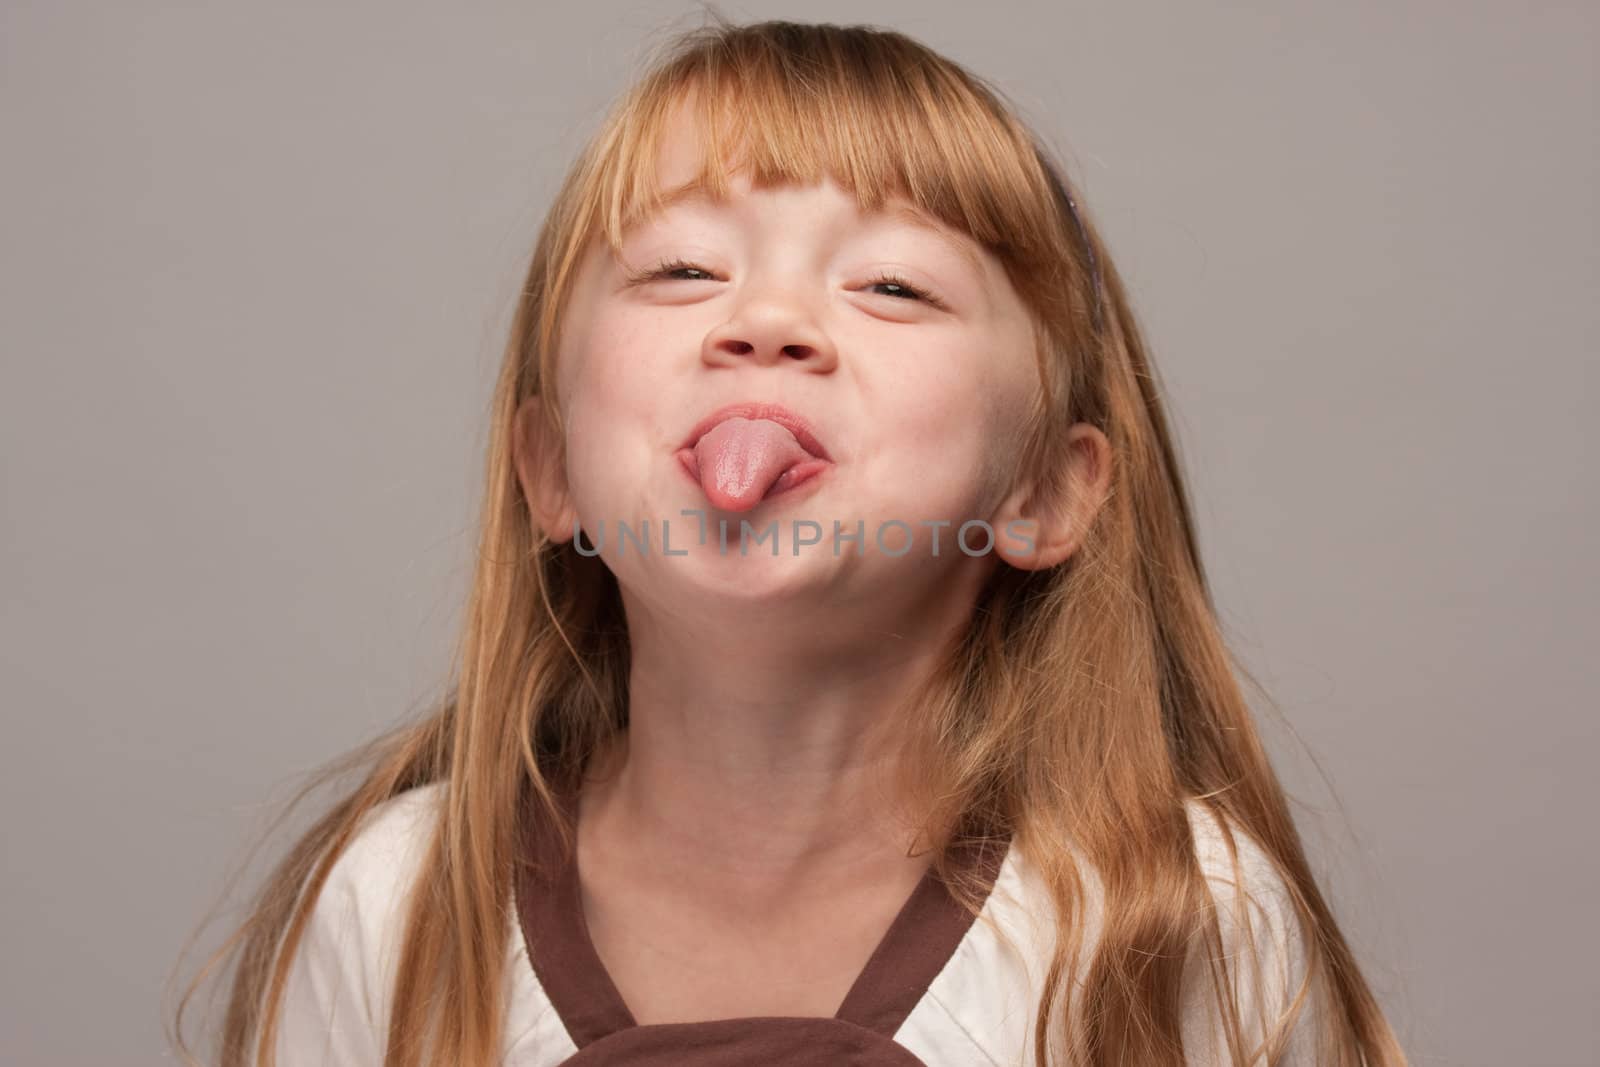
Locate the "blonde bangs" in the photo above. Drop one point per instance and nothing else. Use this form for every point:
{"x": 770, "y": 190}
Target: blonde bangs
{"x": 879, "y": 123}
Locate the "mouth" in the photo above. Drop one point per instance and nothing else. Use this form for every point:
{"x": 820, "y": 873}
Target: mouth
{"x": 803, "y": 433}
{"x": 744, "y": 454}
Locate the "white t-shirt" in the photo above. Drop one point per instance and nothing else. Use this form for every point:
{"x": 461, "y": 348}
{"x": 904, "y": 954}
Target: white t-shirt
{"x": 978, "y": 1008}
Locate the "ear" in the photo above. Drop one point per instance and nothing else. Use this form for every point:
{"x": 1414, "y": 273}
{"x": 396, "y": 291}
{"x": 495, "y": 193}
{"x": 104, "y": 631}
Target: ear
{"x": 541, "y": 469}
{"x": 1044, "y": 521}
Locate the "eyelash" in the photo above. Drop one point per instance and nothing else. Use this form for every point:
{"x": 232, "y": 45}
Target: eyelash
{"x": 672, "y": 265}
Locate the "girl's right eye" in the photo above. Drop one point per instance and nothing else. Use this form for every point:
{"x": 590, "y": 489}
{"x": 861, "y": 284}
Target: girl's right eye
{"x": 669, "y": 266}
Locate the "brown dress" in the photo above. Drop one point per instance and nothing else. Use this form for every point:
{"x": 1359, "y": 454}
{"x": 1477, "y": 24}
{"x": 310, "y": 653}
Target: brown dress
{"x": 917, "y": 946}
{"x": 940, "y": 989}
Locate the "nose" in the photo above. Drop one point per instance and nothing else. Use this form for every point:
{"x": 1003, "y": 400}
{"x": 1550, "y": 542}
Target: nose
{"x": 770, "y": 331}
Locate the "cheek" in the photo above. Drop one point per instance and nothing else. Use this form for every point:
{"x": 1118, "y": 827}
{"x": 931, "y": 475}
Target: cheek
{"x": 613, "y": 369}
{"x": 613, "y": 382}
{"x": 605, "y": 346}
{"x": 937, "y": 440}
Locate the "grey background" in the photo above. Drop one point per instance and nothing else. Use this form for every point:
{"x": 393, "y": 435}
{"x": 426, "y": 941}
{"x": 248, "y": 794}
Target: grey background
{"x": 258, "y": 262}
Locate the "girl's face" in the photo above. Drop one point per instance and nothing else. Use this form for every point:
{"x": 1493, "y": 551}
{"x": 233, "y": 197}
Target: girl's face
{"x": 915, "y": 390}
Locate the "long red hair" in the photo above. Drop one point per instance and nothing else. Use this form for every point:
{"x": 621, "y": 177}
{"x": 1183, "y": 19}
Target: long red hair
{"x": 1107, "y": 672}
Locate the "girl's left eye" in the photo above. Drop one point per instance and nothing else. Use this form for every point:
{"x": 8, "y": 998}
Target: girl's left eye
{"x": 894, "y": 281}
{"x": 889, "y": 281}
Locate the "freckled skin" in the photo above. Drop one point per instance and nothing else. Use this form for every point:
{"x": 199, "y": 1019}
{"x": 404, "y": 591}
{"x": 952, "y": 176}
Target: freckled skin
{"x": 916, "y": 404}
{"x": 765, "y": 691}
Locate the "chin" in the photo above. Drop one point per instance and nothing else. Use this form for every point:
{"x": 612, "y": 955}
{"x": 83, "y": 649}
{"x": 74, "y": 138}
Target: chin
{"x": 757, "y": 578}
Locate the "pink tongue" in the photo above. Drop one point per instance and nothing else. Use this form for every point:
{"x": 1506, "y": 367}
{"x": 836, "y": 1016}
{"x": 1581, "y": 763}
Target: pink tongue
{"x": 741, "y": 458}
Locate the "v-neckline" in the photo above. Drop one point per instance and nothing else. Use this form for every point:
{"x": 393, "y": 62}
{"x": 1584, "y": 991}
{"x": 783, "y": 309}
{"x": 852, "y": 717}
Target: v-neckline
{"x": 921, "y": 939}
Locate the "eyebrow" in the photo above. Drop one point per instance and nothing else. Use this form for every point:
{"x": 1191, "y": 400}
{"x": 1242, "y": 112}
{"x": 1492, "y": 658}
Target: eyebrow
{"x": 909, "y": 214}
{"x": 915, "y": 216}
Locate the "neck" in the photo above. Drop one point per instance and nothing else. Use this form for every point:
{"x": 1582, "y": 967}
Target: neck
{"x": 760, "y": 752}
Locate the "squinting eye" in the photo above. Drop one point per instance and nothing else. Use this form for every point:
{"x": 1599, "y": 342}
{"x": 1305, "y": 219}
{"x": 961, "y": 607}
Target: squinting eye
{"x": 889, "y": 281}
{"x": 665, "y": 267}
{"x": 893, "y": 281}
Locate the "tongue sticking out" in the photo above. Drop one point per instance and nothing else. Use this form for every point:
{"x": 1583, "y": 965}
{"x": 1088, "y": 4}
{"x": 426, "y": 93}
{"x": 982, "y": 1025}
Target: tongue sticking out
{"x": 740, "y": 460}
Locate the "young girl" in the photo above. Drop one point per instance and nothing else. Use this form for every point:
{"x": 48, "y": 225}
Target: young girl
{"x": 840, "y": 681}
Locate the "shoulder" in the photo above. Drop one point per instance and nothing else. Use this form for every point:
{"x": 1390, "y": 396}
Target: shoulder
{"x": 371, "y": 879}
{"x": 1240, "y": 874}
{"x": 334, "y": 1008}
{"x": 384, "y": 856}
{"x": 1264, "y": 944}
{"x": 997, "y": 973}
